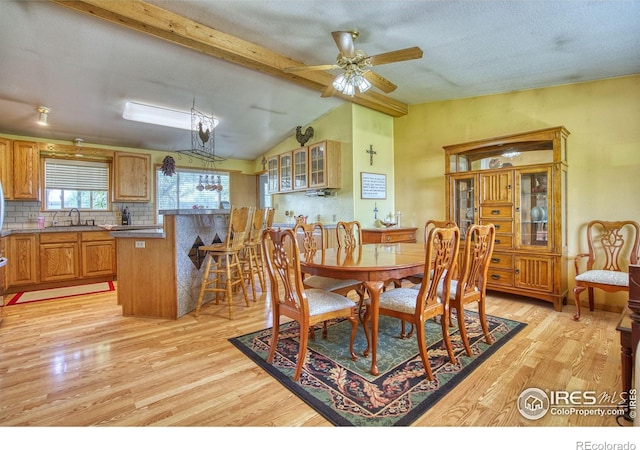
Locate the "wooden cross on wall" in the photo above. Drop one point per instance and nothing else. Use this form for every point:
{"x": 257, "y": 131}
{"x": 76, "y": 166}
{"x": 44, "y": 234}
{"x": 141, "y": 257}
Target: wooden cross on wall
{"x": 371, "y": 152}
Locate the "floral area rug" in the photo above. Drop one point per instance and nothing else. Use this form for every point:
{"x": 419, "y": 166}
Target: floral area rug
{"x": 345, "y": 393}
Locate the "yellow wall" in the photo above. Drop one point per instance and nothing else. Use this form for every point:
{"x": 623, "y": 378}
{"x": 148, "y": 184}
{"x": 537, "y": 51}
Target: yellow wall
{"x": 603, "y": 149}
{"x": 335, "y": 126}
{"x": 371, "y": 128}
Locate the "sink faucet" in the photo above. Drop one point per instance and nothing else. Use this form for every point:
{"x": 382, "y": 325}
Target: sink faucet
{"x": 53, "y": 220}
{"x": 76, "y": 210}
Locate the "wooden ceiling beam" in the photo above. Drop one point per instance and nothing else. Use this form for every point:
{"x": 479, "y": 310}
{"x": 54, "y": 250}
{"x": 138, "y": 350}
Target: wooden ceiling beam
{"x": 158, "y": 22}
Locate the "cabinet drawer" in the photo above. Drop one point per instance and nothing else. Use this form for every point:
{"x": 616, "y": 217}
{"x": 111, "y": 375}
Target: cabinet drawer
{"x": 501, "y": 261}
{"x": 489, "y": 212}
{"x": 502, "y": 226}
{"x": 503, "y": 241}
{"x": 53, "y": 238}
{"x": 500, "y": 277}
{"x": 97, "y": 236}
{"x": 406, "y": 236}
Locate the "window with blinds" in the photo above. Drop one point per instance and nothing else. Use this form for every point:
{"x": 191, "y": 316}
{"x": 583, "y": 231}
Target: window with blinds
{"x": 191, "y": 188}
{"x": 76, "y": 184}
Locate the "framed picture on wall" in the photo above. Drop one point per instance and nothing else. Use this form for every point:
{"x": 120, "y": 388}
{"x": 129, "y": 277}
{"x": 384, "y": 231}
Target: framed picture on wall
{"x": 373, "y": 185}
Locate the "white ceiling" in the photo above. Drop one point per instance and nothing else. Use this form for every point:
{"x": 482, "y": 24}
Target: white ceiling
{"x": 85, "y": 68}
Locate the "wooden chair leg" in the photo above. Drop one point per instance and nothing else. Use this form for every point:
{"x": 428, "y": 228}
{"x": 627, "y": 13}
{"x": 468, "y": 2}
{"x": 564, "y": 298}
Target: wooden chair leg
{"x": 422, "y": 346}
{"x": 463, "y": 331}
{"x": 576, "y": 295}
{"x": 447, "y": 339}
{"x": 302, "y": 353}
{"x": 483, "y": 321}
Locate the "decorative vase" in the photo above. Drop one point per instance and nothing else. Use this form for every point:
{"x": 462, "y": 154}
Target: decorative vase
{"x": 536, "y": 214}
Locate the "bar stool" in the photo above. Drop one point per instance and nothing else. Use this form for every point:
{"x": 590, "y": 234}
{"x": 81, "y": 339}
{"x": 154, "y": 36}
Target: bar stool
{"x": 251, "y": 256}
{"x": 223, "y": 270}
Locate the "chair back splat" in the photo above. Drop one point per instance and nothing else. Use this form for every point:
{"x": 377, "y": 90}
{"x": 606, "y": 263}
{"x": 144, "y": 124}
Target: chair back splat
{"x": 290, "y": 298}
{"x": 349, "y": 234}
{"x": 612, "y": 247}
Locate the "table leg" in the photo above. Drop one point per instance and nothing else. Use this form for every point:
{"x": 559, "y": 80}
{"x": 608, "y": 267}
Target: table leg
{"x": 374, "y": 288}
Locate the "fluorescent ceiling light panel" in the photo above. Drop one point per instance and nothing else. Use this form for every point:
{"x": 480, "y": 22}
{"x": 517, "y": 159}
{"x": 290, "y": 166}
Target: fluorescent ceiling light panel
{"x": 159, "y": 116}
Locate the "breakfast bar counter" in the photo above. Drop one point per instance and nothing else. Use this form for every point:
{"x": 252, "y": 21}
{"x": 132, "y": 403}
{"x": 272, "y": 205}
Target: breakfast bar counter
{"x": 159, "y": 271}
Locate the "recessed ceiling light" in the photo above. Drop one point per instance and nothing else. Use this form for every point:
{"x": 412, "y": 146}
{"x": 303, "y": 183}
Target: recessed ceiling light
{"x": 157, "y": 115}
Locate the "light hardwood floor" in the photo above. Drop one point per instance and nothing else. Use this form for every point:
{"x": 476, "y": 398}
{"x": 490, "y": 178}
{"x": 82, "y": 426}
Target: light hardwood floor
{"x": 78, "y": 362}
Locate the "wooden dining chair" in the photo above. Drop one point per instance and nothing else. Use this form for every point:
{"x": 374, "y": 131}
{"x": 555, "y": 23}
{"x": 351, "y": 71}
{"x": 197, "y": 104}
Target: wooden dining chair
{"x": 290, "y": 298}
{"x": 312, "y": 238}
{"x": 613, "y": 246}
{"x": 428, "y": 226}
{"x": 349, "y": 234}
{"x": 471, "y": 283}
{"x": 416, "y": 306}
{"x": 223, "y": 269}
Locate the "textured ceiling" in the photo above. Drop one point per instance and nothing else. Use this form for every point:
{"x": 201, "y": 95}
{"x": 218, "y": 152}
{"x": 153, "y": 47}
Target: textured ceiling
{"x": 85, "y": 68}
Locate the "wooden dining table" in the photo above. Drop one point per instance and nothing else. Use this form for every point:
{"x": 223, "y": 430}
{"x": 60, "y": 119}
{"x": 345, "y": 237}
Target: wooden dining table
{"x": 374, "y": 265}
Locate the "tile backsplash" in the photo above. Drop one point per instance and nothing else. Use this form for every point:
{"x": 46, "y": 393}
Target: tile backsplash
{"x": 24, "y": 215}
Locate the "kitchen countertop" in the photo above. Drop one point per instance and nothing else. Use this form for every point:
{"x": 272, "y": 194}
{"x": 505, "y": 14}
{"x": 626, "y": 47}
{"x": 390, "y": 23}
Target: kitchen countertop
{"x": 76, "y": 228}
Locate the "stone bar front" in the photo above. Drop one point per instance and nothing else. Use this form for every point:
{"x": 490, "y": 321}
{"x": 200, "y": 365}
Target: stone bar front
{"x": 160, "y": 273}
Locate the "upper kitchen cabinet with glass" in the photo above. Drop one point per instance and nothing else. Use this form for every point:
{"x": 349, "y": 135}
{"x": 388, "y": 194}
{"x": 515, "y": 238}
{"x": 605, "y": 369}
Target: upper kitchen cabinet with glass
{"x": 324, "y": 165}
{"x": 518, "y": 183}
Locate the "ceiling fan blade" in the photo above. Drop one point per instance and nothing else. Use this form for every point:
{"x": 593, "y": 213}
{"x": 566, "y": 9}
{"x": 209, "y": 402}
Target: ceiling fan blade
{"x": 344, "y": 41}
{"x": 329, "y": 91}
{"x": 307, "y": 68}
{"x": 395, "y": 56}
{"x": 380, "y": 82}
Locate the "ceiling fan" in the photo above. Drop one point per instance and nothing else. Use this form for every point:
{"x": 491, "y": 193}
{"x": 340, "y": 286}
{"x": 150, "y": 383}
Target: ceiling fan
{"x": 356, "y": 66}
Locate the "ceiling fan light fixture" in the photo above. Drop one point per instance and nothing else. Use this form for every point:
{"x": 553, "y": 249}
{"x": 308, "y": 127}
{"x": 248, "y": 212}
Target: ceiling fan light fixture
{"x": 340, "y": 82}
{"x": 43, "y": 115}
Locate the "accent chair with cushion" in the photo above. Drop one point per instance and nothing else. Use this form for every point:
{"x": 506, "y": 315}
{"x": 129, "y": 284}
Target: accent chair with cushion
{"x": 613, "y": 246}
{"x": 290, "y": 298}
{"x": 471, "y": 285}
{"x": 416, "y": 306}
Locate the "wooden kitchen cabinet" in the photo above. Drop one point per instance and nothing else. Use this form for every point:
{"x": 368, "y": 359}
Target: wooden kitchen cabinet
{"x": 518, "y": 183}
{"x": 286, "y": 172}
{"x": 6, "y": 167}
{"x": 98, "y": 254}
{"x": 59, "y": 257}
{"x": 55, "y": 259}
{"x": 22, "y": 253}
{"x": 300, "y": 168}
{"x": 273, "y": 171}
{"x": 131, "y": 173}
{"x": 388, "y": 235}
{"x": 324, "y": 165}
{"x": 20, "y": 170}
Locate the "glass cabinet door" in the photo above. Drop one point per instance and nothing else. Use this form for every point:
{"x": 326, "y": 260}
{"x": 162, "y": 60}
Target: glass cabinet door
{"x": 465, "y": 207}
{"x": 535, "y": 209}
{"x": 285, "y": 172}
{"x": 317, "y": 165}
{"x": 300, "y": 168}
{"x": 272, "y": 174}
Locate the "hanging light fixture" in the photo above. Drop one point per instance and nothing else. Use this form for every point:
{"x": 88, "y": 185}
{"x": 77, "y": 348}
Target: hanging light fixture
{"x": 353, "y": 75}
{"x": 43, "y": 116}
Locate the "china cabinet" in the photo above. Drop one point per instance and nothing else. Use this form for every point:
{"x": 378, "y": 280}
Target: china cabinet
{"x": 132, "y": 177}
{"x": 518, "y": 183}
